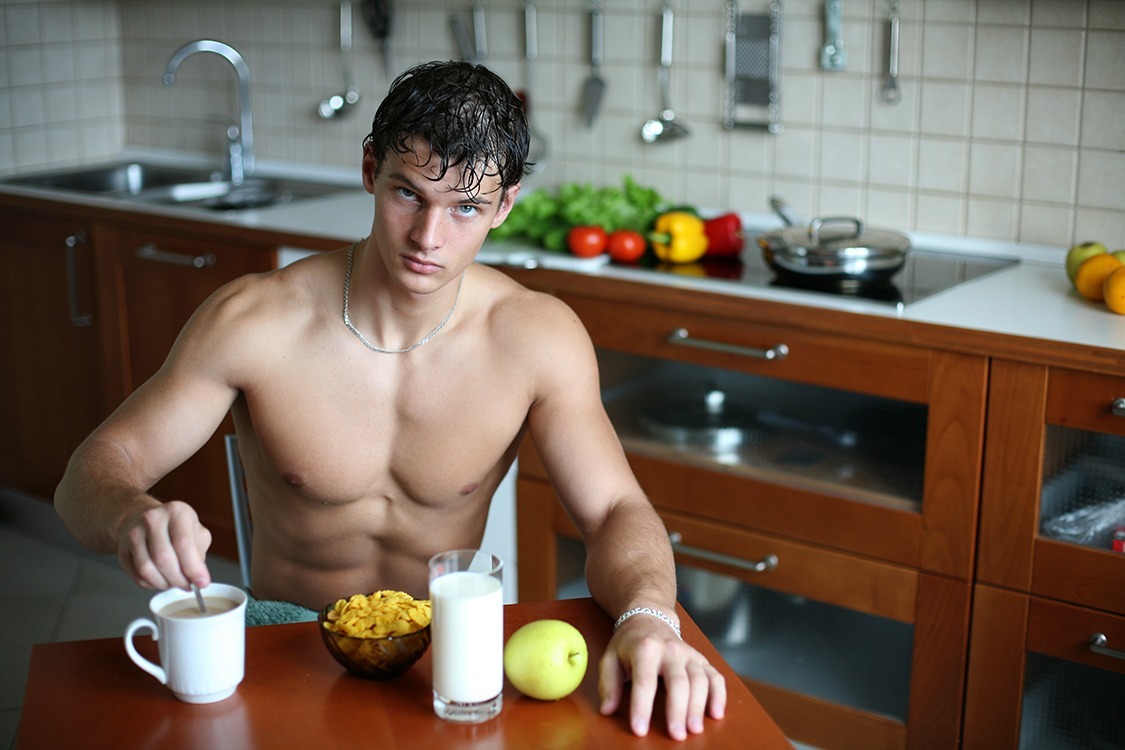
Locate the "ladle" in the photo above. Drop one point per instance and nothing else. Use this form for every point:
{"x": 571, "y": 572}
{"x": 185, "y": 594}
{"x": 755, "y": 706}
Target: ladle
{"x": 339, "y": 105}
{"x": 664, "y": 126}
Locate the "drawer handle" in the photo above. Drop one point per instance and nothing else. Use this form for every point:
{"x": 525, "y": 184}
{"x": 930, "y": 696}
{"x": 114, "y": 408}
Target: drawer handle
{"x": 769, "y": 562}
{"x": 681, "y": 337}
{"x": 1117, "y": 407}
{"x": 1099, "y": 644}
{"x": 77, "y": 319}
{"x": 152, "y": 252}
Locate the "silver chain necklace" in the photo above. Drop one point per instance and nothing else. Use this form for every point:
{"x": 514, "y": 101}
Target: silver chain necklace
{"x": 368, "y": 344}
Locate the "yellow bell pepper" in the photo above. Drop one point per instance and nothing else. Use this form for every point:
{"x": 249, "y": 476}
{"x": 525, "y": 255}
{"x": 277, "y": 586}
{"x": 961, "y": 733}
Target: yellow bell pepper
{"x": 679, "y": 237}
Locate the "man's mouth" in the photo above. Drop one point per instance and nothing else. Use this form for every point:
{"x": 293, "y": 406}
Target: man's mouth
{"x": 420, "y": 265}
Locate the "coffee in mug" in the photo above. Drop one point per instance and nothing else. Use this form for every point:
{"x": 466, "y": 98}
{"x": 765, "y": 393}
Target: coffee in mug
{"x": 202, "y": 656}
{"x": 189, "y": 609}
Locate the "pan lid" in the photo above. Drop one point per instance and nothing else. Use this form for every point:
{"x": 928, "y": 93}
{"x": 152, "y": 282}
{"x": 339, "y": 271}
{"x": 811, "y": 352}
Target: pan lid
{"x": 836, "y": 237}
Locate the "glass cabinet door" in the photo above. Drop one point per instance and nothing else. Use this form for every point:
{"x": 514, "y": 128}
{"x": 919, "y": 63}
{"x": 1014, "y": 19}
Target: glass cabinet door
{"x": 1070, "y": 706}
{"x": 1083, "y": 498}
{"x": 854, "y": 446}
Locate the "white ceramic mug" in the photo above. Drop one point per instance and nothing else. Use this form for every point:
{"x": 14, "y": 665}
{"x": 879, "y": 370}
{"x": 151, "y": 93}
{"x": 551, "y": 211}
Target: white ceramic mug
{"x": 202, "y": 657}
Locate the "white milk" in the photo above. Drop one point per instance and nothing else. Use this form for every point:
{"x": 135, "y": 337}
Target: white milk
{"x": 467, "y": 636}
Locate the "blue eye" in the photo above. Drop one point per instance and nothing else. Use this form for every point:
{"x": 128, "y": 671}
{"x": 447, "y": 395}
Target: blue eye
{"x": 468, "y": 209}
{"x": 405, "y": 193}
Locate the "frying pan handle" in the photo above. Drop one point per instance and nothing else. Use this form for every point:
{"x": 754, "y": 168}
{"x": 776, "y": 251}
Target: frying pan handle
{"x": 815, "y": 226}
{"x": 681, "y": 337}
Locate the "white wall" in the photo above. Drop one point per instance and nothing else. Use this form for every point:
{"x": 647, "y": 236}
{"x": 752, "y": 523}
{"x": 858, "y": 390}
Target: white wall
{"x": 1009, "y": 128}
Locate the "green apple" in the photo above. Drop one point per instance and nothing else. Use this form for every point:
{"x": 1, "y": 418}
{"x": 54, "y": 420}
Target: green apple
{"x": 1079, "y": 253}
{"x": 1120, "y": 255}
{"x": 546, "y": 659}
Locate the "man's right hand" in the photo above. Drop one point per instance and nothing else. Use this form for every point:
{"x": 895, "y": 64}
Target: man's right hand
{"x": 164, "y": 547}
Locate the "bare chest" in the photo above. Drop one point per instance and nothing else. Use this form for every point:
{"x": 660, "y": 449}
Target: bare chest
{"x": 340, "y": 431}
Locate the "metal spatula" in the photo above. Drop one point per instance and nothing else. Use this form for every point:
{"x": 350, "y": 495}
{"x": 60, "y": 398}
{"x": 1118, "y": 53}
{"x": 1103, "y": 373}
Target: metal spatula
{"x": 594, "y": 87}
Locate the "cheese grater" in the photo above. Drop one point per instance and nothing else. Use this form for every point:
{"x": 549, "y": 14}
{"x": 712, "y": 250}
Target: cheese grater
{"x": 753, "y": 69}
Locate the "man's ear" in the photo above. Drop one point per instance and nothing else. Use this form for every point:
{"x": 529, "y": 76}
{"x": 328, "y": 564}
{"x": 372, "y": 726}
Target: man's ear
{"x": 506, "y": 204}
{"x": 370, "y": 168}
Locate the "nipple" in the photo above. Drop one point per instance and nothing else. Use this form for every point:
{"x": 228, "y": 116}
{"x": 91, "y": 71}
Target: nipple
{"x": 469, "y": 488}
{"x": 293, "y": 480}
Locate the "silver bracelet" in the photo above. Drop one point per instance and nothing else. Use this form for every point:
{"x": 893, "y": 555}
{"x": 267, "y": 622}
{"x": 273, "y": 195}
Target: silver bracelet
{"x": 652, "y": 613}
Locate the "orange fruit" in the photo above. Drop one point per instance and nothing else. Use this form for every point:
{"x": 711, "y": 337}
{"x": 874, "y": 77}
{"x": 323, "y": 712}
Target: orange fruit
{"x": 1092, "y": 274}
{"x": 1113, "y": 289}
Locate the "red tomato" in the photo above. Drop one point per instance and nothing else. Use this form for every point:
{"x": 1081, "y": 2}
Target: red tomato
{"x": 587, "y": 242}
{"x": 626, "y": 246}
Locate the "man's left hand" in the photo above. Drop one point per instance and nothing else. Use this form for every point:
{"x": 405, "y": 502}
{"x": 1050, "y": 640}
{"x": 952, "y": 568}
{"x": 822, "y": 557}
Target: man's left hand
{"x": 644, "y": 650}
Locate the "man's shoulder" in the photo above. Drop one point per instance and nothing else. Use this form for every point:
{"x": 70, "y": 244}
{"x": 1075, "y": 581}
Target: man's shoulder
{"x": 527, "y": 321}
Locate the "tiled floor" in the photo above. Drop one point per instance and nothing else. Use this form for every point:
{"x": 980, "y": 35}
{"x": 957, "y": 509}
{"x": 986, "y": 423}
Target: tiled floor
{"x": 51, "y": 589}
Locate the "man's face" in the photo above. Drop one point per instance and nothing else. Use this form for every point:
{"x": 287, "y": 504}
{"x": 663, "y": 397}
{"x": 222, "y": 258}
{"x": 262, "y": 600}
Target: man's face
{"x": 427, "y": 230}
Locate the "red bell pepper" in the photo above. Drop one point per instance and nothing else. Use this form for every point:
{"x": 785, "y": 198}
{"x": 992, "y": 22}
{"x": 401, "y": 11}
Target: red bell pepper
{"x": 724, "y": 235}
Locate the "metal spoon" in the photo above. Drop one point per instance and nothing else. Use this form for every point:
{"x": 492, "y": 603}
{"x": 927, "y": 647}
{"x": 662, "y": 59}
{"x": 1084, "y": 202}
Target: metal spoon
{"x": 199, "y": 599}
{"x": 664, "y": 127}
{"x": 339, "y": 105}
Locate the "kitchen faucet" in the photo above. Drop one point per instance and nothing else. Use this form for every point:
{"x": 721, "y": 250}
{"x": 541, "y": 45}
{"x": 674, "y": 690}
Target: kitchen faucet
{"x": 241, "y": 143}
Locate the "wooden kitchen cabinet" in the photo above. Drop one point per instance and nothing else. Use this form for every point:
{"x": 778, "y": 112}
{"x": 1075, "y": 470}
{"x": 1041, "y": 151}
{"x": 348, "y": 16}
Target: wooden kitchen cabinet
{"x": 1047, "y": 662}
{"x": 51, "y": 392}
{"x": 1043, "y": 673}
{"x": 1054, "y": 485}
{"x": 150, "y": 284}
{"x": 863, "y": 484}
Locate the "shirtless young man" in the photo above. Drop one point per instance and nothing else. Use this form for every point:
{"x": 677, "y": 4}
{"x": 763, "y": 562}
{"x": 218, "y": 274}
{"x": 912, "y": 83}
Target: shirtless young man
{"x": 375, "y": 438}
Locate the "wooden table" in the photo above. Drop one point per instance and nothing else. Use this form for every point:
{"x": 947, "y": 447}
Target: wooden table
{"x": 88, "y": 694}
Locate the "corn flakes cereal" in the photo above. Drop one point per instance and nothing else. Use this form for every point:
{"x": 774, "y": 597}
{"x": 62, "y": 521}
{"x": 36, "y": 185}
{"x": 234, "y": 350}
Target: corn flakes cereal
{"x": 378, "y": 615}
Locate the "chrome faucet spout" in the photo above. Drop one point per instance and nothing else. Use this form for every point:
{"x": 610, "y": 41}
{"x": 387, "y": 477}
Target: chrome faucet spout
{"x": 242, "y": 157}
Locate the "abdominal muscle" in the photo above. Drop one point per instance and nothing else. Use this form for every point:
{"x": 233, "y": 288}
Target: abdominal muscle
{"x": 323, "y": 532}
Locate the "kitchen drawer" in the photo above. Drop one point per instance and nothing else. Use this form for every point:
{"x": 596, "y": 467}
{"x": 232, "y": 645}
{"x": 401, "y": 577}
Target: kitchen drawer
{"x": 1034, "y": 680}
{"x": 1086, "y": 401}
{"x": 875, "y": 368}
{"x": 843, "y": 651}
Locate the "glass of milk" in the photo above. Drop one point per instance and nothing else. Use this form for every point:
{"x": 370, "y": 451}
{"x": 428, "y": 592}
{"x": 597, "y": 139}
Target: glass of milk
{"x": 467, "y": 629}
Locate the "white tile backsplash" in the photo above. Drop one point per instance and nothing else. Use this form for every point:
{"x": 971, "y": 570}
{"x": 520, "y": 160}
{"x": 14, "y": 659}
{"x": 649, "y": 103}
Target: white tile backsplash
{"x": 997, "y": 94}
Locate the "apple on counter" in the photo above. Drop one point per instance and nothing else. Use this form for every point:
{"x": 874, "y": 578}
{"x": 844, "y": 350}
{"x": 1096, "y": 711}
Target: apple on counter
{"x": 546, "y": 659}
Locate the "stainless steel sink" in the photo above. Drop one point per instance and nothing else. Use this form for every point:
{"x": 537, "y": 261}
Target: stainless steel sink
{"x": 179, "y": 186}
{"x": 223, "y": 196}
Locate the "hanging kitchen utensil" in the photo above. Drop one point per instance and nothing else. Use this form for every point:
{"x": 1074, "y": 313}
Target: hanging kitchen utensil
{"x": 890, "y": 91}
{"x": 835, "y": 249}
{"x": 537, "y": 145}
{"x": 377, "y": 15}
{"x": 594, "y": 87}
{"x": 753, "y": 69}
{"x": 461, "y": 36}
{"x": 834, "y": 54}
{"x": 480, "y": 33}
{"x": 664, "y": 127}
{"x": 339, "y": 105}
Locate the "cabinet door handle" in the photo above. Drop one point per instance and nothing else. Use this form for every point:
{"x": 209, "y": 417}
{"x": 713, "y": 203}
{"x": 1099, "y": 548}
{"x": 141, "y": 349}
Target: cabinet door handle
{"x": 1099, "y": 644}
{"x": 681, "y": 337}
{"x": 769, "y": 562}
{"x": 152, "y": 252}
{"x": 1117, "y": 407}
{"x": 77, "y": 319}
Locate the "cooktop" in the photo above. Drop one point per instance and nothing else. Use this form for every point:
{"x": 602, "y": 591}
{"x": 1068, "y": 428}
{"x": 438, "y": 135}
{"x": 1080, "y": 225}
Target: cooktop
{"x": 925, "y": 273}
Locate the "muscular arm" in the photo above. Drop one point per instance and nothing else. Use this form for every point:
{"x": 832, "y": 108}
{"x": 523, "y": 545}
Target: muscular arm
{"x": 629, "y": 560}
{"x": 103, "y": 497}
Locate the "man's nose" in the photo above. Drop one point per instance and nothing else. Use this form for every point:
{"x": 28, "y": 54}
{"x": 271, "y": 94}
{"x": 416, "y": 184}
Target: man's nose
{"x": 429, "y": 231}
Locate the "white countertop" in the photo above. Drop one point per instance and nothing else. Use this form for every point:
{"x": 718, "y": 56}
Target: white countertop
{"x": 1031, "y": 299}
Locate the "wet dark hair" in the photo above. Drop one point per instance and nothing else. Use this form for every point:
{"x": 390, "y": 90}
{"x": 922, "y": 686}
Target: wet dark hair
{"x": 468, "y": 115}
